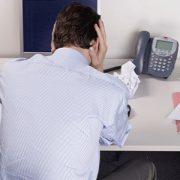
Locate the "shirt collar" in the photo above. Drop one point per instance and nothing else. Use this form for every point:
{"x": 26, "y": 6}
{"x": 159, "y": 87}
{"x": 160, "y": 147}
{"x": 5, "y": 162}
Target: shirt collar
{"x": 69, "y": 58}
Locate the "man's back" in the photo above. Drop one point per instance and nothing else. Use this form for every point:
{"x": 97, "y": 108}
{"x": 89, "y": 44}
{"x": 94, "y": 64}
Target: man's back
{"x": 53, "y": 111}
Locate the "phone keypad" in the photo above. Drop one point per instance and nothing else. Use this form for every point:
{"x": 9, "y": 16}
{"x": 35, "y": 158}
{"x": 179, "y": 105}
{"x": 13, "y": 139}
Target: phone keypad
{"x": 159, "y": 64}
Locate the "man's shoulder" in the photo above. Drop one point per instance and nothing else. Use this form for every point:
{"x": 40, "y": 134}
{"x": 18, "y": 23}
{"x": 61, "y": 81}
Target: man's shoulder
{"x": 106, "y": 81}
{"x": 19, "y": 63}
{"x": 10, "y": 65}
{"x": 19, "y": 60}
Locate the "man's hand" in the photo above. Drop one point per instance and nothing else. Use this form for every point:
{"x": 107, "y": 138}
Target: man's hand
{"x": 98, "y": 50}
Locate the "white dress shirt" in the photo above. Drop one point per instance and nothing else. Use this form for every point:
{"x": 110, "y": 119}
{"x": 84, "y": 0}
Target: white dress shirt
{"x": 55, "y": 111}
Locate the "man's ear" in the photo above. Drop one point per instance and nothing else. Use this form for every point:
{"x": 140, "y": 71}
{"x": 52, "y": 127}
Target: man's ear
{"x": 95, "y": 44}
{"x": 53, "y": 48}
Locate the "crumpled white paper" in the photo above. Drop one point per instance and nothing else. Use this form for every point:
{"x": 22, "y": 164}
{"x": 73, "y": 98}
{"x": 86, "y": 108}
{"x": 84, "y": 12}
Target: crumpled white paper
{"x": 129, "y": 77}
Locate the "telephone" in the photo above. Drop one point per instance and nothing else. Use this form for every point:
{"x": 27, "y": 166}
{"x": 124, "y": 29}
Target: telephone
{"x": 155, "y": 56}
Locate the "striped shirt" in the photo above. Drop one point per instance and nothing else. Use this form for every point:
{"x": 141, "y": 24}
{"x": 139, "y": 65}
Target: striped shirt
{"x": 55, "y": 111}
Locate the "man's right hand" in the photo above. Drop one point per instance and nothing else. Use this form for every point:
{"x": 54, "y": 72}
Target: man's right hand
{"x": 98, "y": 50}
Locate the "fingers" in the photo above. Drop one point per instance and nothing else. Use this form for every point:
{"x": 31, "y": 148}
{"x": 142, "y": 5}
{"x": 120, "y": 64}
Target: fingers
{"x": 97, "y": 46}
{"x": 101, "y": 36}
{"x": 102, "y": 28}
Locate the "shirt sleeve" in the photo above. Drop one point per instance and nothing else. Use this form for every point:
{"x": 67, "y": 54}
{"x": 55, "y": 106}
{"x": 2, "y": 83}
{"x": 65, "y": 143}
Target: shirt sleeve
{"x": 116, "y": 125}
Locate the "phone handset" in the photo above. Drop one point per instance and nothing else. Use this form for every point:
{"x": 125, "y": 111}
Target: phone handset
{"x": 143, "y": 40}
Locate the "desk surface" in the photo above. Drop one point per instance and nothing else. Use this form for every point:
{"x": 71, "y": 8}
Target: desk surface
{"x": 151, "y": 131}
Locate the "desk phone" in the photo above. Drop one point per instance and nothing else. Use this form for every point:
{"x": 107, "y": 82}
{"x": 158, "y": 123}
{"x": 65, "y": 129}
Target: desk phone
{"x": 155, "y": 56}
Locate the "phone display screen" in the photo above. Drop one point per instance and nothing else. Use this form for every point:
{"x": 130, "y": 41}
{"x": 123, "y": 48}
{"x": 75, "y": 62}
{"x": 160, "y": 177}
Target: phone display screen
{"x": 164, "y": 45}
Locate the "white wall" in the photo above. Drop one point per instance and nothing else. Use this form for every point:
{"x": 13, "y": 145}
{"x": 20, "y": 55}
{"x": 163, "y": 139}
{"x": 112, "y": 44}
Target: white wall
{"x": 10, "y": 16}
{"x": 123, "y": 20}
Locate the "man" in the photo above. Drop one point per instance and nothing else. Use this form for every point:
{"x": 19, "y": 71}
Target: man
{"x": 56, "y": 109}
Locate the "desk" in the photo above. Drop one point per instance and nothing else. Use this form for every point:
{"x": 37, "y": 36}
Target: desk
{"x": 151, "y": 131}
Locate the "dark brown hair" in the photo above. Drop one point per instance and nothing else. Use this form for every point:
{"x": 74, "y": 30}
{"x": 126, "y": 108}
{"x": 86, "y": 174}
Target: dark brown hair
{"x": 75, "y": 26}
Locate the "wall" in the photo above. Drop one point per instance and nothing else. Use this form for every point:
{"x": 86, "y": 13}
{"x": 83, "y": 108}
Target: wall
{"x": 10, "y": 38}
{"x": 123, "y": 21}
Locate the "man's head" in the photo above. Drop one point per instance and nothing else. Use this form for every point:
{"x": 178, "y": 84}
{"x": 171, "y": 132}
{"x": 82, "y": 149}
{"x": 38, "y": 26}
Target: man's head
{"x": 75, "y": 27}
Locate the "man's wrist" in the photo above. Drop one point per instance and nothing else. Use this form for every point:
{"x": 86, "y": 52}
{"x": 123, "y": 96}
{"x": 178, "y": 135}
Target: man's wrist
{"x": 98, "y": 67}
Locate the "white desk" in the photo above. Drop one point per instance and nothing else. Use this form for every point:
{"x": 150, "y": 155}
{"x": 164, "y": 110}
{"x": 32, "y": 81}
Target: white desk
{"x": 151, "y": 131}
